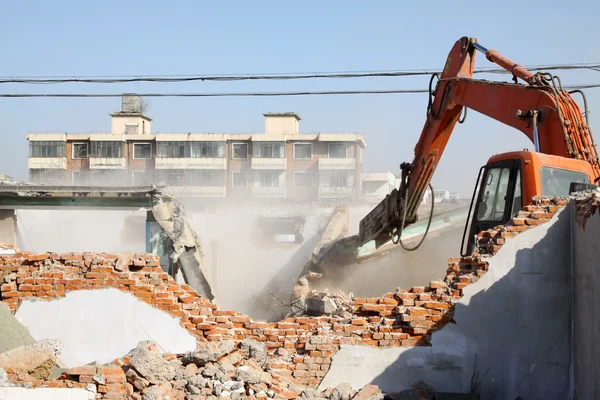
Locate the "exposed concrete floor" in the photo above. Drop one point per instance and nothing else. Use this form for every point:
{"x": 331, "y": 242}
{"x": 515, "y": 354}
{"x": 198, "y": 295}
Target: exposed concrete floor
{"x": 102, "y": 325}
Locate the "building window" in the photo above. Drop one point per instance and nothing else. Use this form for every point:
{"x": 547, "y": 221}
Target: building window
{"x": 47, "y": 149}
{"x": 106, "y": 149}
{"x": 302, "y": 179}
{"x": 338, "y": 150}
{"x": 239, "y": 179}
{"x": 336, "y": 178}
{"x": 302, "y": 151}
{"x": 141, "y": 178}
{"x": 131, "y": 128}
{"x": 80, "y": 151}
{"x": 207, "y": 149}
{"x": 142, "y": 151}
{"x": 170, "y": 149}
{"x": 269, "y": 178}
{"x": 268, "y": 149}
{"x": 240, "y": 151}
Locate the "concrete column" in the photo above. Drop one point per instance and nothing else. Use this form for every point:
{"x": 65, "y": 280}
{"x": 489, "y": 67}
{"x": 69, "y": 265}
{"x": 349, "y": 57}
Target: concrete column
{"x": 8, "y": 226}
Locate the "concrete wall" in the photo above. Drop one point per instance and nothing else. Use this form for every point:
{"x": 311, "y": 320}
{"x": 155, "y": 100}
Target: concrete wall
{"x": 69, "y": 230}
{"x": 587, "y": 308}
{"x": 512, "y": 326}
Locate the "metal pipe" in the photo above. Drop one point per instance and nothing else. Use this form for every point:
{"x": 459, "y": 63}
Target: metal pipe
{"x": 480, "y": 47}
{"x": 536, "y": 136}
{"x": 510, "y": 66}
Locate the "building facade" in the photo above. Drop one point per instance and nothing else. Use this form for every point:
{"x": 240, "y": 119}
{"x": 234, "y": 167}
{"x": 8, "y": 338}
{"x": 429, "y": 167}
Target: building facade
{"x": 280, "y": 163}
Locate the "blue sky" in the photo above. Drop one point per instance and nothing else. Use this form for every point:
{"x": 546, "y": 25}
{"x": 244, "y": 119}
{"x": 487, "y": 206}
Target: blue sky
{"x": 75, "y": 38}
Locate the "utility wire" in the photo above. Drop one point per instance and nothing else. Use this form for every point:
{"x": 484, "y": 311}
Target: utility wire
{"x": 271, "y": 76}
{"x": 249, "y": 94}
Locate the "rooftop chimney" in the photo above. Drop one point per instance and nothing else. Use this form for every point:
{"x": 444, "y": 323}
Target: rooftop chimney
{"x": 131, "y": 103}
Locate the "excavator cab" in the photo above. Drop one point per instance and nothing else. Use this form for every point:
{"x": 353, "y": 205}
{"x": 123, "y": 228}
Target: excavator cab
{"x": 509, "y": 181}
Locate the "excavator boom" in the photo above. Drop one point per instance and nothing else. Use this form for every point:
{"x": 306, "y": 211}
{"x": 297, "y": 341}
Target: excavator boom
{"x": 541, "y": 109}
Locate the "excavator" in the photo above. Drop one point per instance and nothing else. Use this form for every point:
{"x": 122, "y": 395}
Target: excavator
{"x": 564, "y": 159}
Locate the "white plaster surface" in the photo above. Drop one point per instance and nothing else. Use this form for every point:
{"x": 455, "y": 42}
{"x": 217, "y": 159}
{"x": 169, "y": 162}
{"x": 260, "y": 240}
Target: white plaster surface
{"x": 19, "y": 393}
{"x": 514, "y": 323}
{"x": 102, "y": 325}
{"x": 76, "y": 230}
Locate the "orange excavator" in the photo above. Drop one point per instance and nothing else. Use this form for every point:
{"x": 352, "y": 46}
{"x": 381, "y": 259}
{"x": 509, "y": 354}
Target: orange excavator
{"x": 565, "y": 157}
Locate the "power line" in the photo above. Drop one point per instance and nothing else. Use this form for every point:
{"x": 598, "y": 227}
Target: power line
{"x": 271, "y": 76}
{"x": 247, "y": 94}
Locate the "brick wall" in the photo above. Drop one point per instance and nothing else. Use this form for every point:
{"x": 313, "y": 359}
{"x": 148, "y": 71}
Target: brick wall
{"x": 300, "y": 347}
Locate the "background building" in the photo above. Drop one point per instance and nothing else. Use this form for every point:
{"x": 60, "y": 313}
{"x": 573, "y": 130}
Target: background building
{"x": 280, "y": 163}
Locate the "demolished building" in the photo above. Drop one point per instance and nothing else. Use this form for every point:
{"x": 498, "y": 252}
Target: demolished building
{"x": 510, "y": 320}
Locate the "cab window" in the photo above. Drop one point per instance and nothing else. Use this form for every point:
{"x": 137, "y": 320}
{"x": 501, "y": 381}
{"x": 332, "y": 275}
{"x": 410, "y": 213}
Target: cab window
{"x": 493, "y": 199}
{"x": 556, "y": 181}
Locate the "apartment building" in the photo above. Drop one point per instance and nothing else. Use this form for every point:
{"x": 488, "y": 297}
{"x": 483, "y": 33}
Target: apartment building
{"x": 279, "y": 163}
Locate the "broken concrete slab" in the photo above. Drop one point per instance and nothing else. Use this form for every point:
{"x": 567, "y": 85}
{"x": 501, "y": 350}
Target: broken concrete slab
{"x": 151, "y": 366}
{"x": 36, "y": 359}
{"x": 102, "y": 325}
{"x": 12, "y": 333}
{"x": 209, "y": 352}
{"x": 187, "y": 251}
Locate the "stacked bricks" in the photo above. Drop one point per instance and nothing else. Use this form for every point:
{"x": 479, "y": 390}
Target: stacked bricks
{"x": 299, "y": 347}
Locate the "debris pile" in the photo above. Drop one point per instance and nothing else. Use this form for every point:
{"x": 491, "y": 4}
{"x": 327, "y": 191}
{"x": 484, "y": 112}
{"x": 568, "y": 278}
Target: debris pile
{"x": 216, "y": 370}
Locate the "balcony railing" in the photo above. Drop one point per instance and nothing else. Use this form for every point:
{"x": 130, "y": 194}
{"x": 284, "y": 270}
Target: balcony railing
{"x": 107, "y": 163}
{"x": 190, "y": 163}
{"x": 337, "y": 163}
{"x": 47, "y": 162}
{"x": 268, "y": 163}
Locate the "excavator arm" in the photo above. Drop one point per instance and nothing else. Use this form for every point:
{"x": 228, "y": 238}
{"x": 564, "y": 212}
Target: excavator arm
{"x": 541, "y": 109}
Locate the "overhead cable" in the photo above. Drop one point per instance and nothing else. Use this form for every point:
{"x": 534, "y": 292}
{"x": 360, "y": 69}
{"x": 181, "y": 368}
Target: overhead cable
{"x": 269, "y": 76}
{"x": 249, "y": 94}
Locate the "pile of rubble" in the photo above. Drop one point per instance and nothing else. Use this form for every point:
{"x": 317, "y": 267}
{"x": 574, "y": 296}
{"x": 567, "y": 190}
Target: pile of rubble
{"x": 305, "y": 301}
{"x": 216, "y": 370}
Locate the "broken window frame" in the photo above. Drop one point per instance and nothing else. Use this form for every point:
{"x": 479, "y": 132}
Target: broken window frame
{"x": 77, "y": 154}
{"x": 47, "y": 149}
{"x": 295, "y": 152}
{"x": 233, "y": 151}
{"x": 136, "y": 146}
